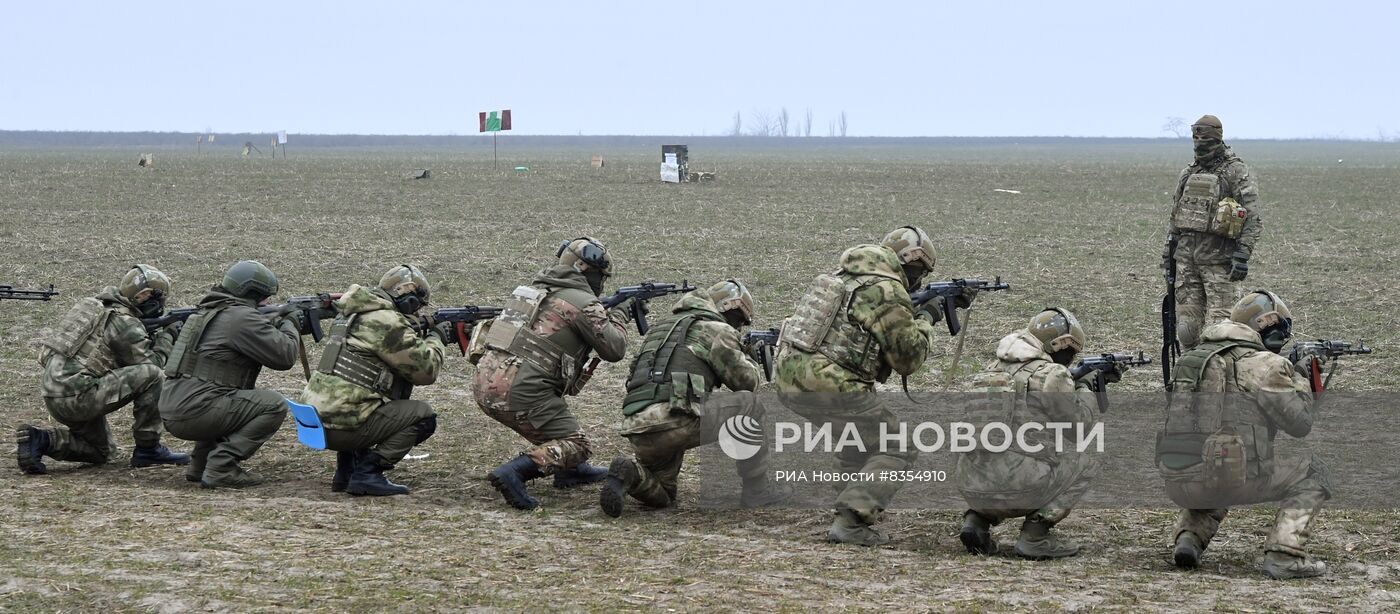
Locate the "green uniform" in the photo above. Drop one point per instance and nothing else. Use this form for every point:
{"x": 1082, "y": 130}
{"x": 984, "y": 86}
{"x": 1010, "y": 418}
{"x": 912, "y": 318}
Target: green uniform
{"x": 208, "y": 396}
{"x": 98, "y": 360}
{"x": 1268, "y": 396}
{"x": 673, "y": 407}
{"x": 1013, "y": 484}
{"x": 1204, "y": 292}
{"x": 364, "y": 415}
{"x": 871, "y": 332}
{"x": 522, "y": 383}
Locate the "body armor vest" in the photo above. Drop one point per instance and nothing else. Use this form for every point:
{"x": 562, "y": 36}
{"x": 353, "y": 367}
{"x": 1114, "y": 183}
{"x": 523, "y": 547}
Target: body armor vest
{"x": 1001, "y": 396}
{"x": 185, "y": 360}
{"x": 512, "y": 332}
{"x": 1205, "y": 206}
{"x": 1207, "y": 434}
{"x": 81, "y": 337}
{"x": 821, "y": 324}
{"x": 667, "y": 370}
{"x": 367, "y": 372}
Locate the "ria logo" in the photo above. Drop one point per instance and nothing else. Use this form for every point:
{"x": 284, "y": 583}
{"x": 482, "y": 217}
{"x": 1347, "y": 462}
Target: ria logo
{"x": 741, "y": 437}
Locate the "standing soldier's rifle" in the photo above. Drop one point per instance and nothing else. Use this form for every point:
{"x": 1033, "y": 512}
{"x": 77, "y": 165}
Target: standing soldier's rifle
{"x": 1171, "y": 346}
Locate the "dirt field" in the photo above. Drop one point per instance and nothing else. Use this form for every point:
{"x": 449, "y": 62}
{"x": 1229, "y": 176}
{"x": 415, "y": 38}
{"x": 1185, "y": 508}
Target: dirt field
{"x": 1085, "y": 232}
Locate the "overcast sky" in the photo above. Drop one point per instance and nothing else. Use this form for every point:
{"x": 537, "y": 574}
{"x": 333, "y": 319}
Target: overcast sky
{"x": 1118, "y": 68}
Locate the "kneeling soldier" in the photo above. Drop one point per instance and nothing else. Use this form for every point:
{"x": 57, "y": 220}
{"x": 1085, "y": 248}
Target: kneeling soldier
{"x": 670, "y": 408}
{"x": 373, "y": 359}
{"x": 99, "y": 359}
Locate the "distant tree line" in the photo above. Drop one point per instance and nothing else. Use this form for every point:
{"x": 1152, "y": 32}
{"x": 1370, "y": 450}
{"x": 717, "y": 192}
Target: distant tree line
{"x": 763, "y": 122}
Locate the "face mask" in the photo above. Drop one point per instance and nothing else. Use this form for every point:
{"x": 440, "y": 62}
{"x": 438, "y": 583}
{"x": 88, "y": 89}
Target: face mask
{"x": 915, "y": 274}
{"x": 153, "y": 307}
{"x": 1275, "y": 338}
{"x": 408, "y": 303}
{"x": 735, "y": 318}
{"x": 595, "y": 281}
{"x": 1063, "y": 357}
{"x": 1207, "y": 148}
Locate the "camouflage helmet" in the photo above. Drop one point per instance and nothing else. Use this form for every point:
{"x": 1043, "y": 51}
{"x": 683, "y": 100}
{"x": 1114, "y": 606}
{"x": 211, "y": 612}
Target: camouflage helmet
{"x": 1057, "y": 329}
{"x": 250, "y": 279}
{"x": 732, "y": 294}
{"x": 583, "y": 253}
{"x": 397, "y": 280}
{"x": 911, "y": 244}
{"x": 1261, "y": 310}
{"x": 141, "y": 277}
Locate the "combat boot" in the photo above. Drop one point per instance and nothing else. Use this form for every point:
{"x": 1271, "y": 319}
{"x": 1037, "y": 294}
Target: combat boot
{"x": 237, "y": 477}
{"x": 30, "y": 446}
{"x": 580, "y": 474}
{"x": 763, "y": 493}
{"x": 622, "y": 477}
{"x": 157, "y": 455}
{"x": 368, "y": 477}
{"x": 1284, "y": 566}
{"x": 976, "y": 534}
{"x": 344, "y": 466}
{"x": 847, "y": 528}
{"x": 1037, "y": 543}
{"x": 1187, "y": 554}
{"x": 509, "y": 479}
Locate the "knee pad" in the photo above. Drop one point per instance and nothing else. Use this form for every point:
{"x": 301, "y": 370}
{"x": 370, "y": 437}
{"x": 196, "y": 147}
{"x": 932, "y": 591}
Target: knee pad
{"x": 425, "y": 429}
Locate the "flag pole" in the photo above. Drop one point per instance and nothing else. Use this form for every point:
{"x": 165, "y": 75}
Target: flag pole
{"x": 493, "y": 150}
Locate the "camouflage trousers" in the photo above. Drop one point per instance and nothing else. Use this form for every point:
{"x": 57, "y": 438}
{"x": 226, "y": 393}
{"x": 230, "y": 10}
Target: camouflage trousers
{"x": 1301, "y": 487}
{"x": 230, "y": 429}
{"x": 391, "y": 431}
{"x": 87, "y": 438}
{"x": 558, "y": 441}
{"x": 1011, "y": 485}
{"x": 659, "y": 454}
{"x": 1204, "y": 295}
{"x": 864, "y": 412}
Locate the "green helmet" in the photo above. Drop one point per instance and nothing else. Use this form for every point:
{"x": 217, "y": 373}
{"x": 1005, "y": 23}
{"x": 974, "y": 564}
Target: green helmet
{"x": 141, "y": 277}
{"x": 731, "y": 294}
{"x": 912, "y": 245}
{"x": 250, "y": 279}
{"x": 585, "y": 253}
{"x": 1262, "y": 310}
{"x": 1058, "y": 330}
{"x": 405, "y": 278}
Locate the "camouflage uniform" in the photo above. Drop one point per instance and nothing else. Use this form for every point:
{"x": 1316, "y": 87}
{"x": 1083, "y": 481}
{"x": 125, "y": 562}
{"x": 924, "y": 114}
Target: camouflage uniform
{"x": 821, "y": 389}
{"x": 528, "y": 397}
{"x": 1012, "y": 484}
{"x": 1204, "y": 291}
{"x": 356, "y": 417}
{"x": 1269, "y": 396}
{"x": 116, "y": 364}
{"x": 661, "y": 431}
{"x": 208, "y": 396}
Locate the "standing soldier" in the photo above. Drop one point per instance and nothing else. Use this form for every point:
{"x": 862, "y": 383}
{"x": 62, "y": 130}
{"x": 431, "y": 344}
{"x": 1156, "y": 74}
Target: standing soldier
{"x": 851, "y": 329}
{"x": 534, "y": 355}
{"x": 1031, "y": 368}
{"x": 1233, "y": 393}
{"x": 1216, "y": 218}
{"x": 208, "y": 396}
{"x": 372, "y": 361}
{"x": 99, "y": 359}
{"x": 672, "y": 404}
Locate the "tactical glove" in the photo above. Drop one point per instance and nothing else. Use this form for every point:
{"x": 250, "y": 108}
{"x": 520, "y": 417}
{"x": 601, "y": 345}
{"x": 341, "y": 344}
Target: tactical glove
{"x": 443, "y": 330}
{"x": 1114, "y": 375}
{"x": 964, "y": 300}
{"x": 931, "y": 312}
{"x": 1239, "y": 265}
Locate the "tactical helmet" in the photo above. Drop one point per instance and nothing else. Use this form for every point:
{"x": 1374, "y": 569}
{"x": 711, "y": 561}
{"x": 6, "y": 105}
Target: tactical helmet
{"x": 250, "y": 279}
{"x": 585, "y": 252}
{"x": 732, "y": 294}
{"x": 1057, "y": 329}
{"x": 912, "y": 244}
{"x": 397, "y": 280}
{"x": 1261, "y": 310}
{"x": 141, "y": 277}
{"x": 1209, "y": 126}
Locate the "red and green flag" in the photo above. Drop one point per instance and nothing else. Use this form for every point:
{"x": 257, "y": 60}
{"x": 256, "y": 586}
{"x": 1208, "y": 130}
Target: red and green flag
{"x": 493, "y": 121}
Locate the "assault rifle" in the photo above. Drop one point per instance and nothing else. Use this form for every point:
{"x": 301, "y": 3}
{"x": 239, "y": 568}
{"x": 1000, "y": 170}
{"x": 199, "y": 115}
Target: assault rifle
{"x": 1171, "y": 346}
{"x": 759, "y": 345}
{"x": 463, "y": 320}
{"x": 9, "y": 292}
{"x": 1323, "y": 348}
{"x": 1100, "y": 366}
{"x": 313, "y": 308}
{"x": 950, "y": 290}
{"x": 640, "y": 295}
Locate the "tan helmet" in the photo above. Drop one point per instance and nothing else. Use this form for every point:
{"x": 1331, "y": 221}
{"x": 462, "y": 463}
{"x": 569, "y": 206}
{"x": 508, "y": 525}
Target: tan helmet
{"x": 1057, "y": 329}
{"x": 585, "y": 253}
{"x": 733, "y": 294}
{"x": 1261, "y": 310}
{"x": 141, "y": 277}
{"x": 912, "y": 244}
{"x": 403, "y": 279}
